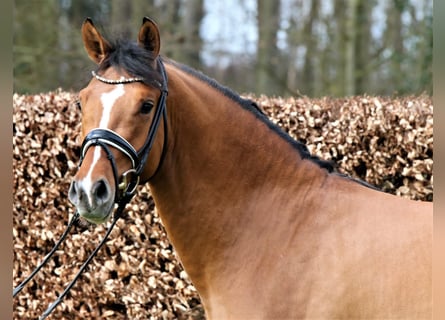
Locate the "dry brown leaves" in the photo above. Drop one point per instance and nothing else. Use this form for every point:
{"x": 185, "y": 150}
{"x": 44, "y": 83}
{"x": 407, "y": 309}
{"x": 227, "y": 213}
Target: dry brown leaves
{"x": 388, "y": 142}
{"x": 137, "y": 275}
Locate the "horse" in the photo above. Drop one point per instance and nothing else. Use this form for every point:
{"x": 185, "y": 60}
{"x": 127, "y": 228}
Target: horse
{"x": 264, "y": 229}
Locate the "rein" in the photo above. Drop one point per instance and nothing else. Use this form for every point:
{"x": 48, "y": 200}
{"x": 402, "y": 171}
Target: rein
{"x": 125, "y": 189}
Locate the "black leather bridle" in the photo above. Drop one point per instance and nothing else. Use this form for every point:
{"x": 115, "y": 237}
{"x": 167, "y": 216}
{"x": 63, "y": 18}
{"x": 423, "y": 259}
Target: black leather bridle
{"x": 105, "y": 138}
{"x": 126, "y": 186}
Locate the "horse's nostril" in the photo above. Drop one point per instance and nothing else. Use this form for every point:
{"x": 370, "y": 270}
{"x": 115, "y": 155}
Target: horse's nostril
{"x": 101, "y": 190}
{"x": 72, "y": 193}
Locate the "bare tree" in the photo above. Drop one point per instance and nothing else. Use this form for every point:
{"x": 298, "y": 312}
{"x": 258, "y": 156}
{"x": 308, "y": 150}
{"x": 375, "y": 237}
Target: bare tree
{"x": 350, "y": 47}
{"x": 168, "y": 17}
{"x": 191, "y": 23}
{"x": 362, "y": 44}
{"x": 311, "y": 55}
{"x": 121, "y": 14}
{"x": 35, "y": 45}
{"x": 337, "y": 57}
{"x": 326, "y": 47}
{"x": 267, "y": 51}
{"x": 140, "y": 9}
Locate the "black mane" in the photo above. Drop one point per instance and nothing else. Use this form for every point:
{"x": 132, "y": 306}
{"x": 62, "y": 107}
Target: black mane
{"x": 135, "y": 60}
{"x": 250, "y": 105}
{"x": 253, "y": 107}
{"x": 138, "y": 62}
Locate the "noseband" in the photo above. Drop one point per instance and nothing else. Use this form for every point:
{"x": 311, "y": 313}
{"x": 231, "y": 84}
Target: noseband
{"x": 125, "y": 189}
{"x": 105, "y": 138}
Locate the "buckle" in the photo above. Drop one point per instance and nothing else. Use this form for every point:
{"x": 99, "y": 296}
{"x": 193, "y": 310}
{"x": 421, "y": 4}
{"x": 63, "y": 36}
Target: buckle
{"x": 128, "y": 185}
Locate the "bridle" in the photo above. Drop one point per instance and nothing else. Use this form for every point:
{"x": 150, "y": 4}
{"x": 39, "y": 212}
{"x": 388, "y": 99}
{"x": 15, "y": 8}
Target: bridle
{"x": 126, "y": 185}
{"x": 106, "y": 138}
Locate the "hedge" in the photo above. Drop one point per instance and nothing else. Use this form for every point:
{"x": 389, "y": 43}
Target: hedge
{"x": 386, "y": 141}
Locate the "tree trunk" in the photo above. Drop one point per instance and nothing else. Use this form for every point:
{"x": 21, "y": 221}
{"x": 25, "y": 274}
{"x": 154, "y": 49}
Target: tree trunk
{"x": 140, "y": 9}
{"x": 169, "y": 19}
{"x": 350, "y": 47}
{"x": 397, "y": 41}
{"x": 36, "y": 50}
{"x": 121, "y": 15}
{"x": 267, "y": 51}
{"x": 336, "y": 49}
{"x": 362, "y": 44}
{"x": 191, "y": 22}
{"x": 309, "y": 68}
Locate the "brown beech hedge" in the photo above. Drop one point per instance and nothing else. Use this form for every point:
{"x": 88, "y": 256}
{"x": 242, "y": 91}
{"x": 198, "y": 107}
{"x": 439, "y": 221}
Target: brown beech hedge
{"x": 386, "y": 141}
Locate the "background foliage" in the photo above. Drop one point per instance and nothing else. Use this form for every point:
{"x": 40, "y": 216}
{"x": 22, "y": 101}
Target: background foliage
{"x": 137, "y": 274}
{"x": 285, "y": 47}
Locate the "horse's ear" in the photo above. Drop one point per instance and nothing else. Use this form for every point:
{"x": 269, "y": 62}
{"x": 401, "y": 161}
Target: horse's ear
{"x": 97, "y": 46}
{"x": 149, "y": 37}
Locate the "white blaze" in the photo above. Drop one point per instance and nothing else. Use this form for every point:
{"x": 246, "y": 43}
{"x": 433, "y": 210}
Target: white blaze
{"x": 108, "y": 100}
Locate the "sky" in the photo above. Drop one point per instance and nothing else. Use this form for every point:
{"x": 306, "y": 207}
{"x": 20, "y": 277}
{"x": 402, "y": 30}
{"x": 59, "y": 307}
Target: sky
{"x": 228, "y": 26}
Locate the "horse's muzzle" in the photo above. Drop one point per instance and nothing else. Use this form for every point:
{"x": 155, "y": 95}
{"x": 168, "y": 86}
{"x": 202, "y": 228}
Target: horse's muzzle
{"x": 94, "y": 200}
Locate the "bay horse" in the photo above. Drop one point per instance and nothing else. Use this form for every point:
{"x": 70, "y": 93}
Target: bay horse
{"x": 264, "y": 229}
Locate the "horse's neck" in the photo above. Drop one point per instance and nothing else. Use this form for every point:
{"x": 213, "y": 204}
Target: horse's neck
{"x": 222, "y": 163}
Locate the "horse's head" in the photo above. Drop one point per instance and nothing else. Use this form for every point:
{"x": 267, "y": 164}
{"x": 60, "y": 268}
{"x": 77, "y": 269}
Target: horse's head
{"x": 121, "y": 108}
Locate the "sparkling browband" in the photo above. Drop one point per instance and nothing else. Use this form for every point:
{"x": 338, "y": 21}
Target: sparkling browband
{"x": 122, "y": 80}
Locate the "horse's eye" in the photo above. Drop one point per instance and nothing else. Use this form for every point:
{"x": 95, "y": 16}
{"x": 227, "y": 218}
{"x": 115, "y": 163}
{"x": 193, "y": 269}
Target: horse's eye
{"x": 78, "y": 105}
{"x": 146, "y": 107}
